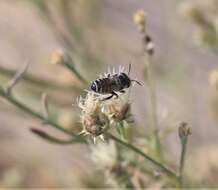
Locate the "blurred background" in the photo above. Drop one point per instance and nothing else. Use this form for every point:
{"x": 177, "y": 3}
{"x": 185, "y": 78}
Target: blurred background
{"x": 99, "y": 34}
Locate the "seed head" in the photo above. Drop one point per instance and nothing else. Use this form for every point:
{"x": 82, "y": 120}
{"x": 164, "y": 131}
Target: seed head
{"x": 91, "y": 104}
{"x": 184, "y": 131}
{"x": 95, "y": 122}
{"x": 119, "y": 110}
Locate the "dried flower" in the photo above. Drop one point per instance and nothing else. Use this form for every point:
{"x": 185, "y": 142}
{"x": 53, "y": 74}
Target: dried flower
{"x": 119, "y": 109}
{"x": 184, "y": 131}
{"x": 139, "y": 20}
{"x": 148, "y": 44}
{"x": 95, "y": 122}
{"x": 57, "y": 57}
{"x": 214, "y": 78}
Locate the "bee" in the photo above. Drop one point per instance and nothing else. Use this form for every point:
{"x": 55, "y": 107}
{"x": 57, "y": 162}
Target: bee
{"x": 112, "y": 83}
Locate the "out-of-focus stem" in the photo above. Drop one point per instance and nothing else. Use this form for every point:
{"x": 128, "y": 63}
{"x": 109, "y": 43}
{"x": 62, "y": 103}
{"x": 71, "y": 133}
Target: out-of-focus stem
{"x": 122, "y": 131}
{"x": 52, "y": 139}
{"x": 33, "y": 113}
{"x": 182, "y": 161}
{"x": 35, "y": 80}
{"x": 70, "y": 65}
{"x": 153, "y": 106}
{"x": 163, "y": 168}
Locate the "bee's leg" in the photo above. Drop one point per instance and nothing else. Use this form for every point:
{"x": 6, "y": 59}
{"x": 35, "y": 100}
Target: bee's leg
{"x": 107, "y": 98}
{"x": 122, "y": 91}
{"x": 111, "y": 96}
{"x": 115, "y": 94}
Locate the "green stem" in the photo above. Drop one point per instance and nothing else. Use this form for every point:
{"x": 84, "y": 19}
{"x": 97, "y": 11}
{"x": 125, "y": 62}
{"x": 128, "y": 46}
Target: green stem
{"x": 28, "y": 110}
{"x": 122, "y": 131}
{"x": 70, "y": 65}
{"x": 182, "y": 161}
{"x": 52, "y": 139}
{"x": 168, "y": 171}
{"x": 35, "y": 80}
{"x": 153, "y": 107}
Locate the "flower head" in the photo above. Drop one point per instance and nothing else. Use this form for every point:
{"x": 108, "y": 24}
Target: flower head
{"x": 95, "y": 122}
{"x": 119, "y": 109}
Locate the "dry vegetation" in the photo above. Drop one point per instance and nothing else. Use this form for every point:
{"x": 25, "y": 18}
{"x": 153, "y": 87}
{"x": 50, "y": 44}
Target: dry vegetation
{"x": 57, "y": 133}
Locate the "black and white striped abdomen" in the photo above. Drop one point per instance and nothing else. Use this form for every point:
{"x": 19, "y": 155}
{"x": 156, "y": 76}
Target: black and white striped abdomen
{"x": 116, "y": 82}
{"x": 102, "y": 86}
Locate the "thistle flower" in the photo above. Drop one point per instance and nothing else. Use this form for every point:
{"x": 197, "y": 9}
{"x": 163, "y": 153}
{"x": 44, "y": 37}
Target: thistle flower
{"x": 95, "y": 122}
{"x": 119, "y": 109}
{"x": 214, "y": 78}
{"x": 57, "y": 57}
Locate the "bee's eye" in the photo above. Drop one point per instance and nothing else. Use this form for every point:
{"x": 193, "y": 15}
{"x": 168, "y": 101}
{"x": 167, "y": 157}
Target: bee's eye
{"x": 93, "y": 87}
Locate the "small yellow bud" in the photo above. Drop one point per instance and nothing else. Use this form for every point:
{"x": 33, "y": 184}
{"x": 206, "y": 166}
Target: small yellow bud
{"x": 139, "y": 19}
{"x": 188, "y": 10}
{"x": 57, "y": 57}
{"x": 214, "y": 78}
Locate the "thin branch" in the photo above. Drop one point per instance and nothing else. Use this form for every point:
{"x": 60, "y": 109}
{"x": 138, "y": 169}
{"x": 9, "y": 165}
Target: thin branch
{"x": 36, "y": 80}
{"x": 52, "y": 139}
{"x": 18, "y": 76}
{"x": 69, "y": 63}
{"x": 183, "y": 132}
{"x": 44, "y": 100}
{"x": 166, "y": 170}
{"x": 33, "y": 113}
{"x": 153, "y": 106}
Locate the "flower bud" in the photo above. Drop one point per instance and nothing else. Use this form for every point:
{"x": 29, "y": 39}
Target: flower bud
{"x": 184, "y": 131}
{"x": 57, "y": 57}
{"x": 139, "y": 20}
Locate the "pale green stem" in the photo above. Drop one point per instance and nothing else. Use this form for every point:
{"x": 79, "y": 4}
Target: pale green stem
{"x": 30, "y": 111}
{"x": 163, "y": 168}
{"x": 182, "y": 161}
{"x": 153, "y": 106}
{"x": 70, "y": 65}
{"x": 36, "y": 80}
{"x": 122, "y": 131}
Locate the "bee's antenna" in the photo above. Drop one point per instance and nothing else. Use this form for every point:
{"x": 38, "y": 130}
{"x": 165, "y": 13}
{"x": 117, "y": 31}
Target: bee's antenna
{"x": 129, "y": 69}
{"x": 137, "y": 82}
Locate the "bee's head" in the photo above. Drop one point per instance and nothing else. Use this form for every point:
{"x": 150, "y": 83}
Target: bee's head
{"x": 93, "y": 86}
{"x": 124, "y": 79}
